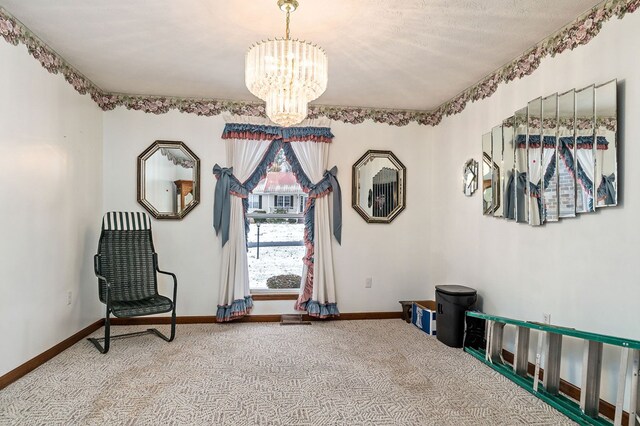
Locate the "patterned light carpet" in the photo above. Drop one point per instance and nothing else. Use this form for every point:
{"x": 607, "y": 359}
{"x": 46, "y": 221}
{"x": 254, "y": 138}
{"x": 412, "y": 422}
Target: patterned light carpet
{"x": 382, "y": 372}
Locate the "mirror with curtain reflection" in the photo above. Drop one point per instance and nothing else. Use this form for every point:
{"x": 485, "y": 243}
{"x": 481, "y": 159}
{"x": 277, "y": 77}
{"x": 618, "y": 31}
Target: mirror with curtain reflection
{"x": 508, "y": 157}
{"x": 566, "y": 154}
{"x": 585, "y": 149}
{"x": 534, "y": 157}
{"x": 549, "y": 159}
{"x": 554, "y": 158}
{"x": 168, "y": 180}
{"x": 521, "y": 180}
{"x": 606, "y": 179}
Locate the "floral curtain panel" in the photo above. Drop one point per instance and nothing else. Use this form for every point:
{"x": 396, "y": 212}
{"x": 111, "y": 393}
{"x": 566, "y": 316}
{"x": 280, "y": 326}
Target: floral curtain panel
{"x": 251, "y": 148}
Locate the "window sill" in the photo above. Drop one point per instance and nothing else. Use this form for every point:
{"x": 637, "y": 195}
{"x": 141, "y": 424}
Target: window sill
{"x": 273, "y": 295}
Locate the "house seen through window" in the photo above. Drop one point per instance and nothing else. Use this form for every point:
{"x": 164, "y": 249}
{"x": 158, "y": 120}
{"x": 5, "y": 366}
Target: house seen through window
{"x": 276, "y": 230}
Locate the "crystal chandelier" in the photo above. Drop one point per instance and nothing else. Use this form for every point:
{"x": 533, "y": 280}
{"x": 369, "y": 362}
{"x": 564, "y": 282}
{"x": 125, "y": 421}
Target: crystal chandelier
{"x": 286, "y": 73}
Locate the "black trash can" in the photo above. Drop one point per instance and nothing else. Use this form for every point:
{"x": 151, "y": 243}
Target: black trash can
{"x": 452, "y": 302}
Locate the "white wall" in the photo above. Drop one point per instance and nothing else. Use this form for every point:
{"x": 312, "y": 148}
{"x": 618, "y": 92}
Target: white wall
{"x": 583, "y": 271}
{"x": 51, "y": 192}
{"x": 391, "y": 254}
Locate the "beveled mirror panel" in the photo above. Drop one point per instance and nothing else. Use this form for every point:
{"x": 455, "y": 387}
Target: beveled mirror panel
{"x": 168, "y": 180}
{"x": 566, "y": 154}
{"x": 585, "y": 149}
{"x": 554, "y": 158}
{"x": 534, "y": 160}
{"x": 606, "y": 186}
{"x": 470, "y": 177}
{"x": 508, "y": 162}
{"x": 549, "y": 158}
{"x": 521, "y": 180}
{"x": 497, "y": 176}
{"x": 379, "y": 186}
{"x": 487, "y": 181}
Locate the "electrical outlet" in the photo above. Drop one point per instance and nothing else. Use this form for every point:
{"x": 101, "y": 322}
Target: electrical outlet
{"x": 547, "y": 318}
{"x": 368, "y": 282}
{"x": 69, "y": 297}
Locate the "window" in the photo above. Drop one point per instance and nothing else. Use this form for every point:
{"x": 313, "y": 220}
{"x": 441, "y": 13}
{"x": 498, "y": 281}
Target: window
{"x": 276, "y": 244}
{"x": 255, "y": 201}
{"x": 303, "y": 203}
{"x": 275, "y": 249}
{"x": 284, "y": 201}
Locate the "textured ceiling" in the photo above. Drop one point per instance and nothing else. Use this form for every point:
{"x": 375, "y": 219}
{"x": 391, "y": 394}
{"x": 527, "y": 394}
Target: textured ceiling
{"x": 409, "y": 54}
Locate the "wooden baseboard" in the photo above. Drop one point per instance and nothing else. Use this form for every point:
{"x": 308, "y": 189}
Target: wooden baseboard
{"x": 209, "y": 319}
{"x": 45, "y": 356}
{"x": 369, "y": 315}
{"x": 605, "y": 408}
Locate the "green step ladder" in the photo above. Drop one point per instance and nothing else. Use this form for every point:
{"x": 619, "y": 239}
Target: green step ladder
{"x": 549, "y": 349}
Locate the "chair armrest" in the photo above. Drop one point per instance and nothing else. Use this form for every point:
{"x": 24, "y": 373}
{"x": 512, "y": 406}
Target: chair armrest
{"x": 175, "y": 280}
{"x": 96, "y": 270}
{"x": 108, "y": 287}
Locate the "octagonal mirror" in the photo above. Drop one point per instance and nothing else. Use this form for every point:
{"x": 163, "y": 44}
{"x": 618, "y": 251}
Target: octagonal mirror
{"x": 379, "y": 192}
{"x": 168, "y": 179}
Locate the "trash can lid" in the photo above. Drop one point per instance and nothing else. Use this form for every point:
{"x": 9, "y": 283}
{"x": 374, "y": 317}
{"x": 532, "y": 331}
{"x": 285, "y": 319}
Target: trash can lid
{"x": 455, "y": 290}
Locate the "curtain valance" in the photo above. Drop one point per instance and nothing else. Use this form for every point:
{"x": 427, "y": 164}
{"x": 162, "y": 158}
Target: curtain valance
{"x": 583, "y": 142}
{"x": 286, "y": 134}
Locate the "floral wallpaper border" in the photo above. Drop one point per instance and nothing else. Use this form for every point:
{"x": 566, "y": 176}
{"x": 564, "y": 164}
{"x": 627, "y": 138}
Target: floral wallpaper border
{"x": 578, "y": 33}
{"x": 178, "y": 161}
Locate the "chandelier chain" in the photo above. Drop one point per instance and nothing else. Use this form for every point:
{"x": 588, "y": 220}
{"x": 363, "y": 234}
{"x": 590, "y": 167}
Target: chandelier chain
{"x": 288, "y": 18}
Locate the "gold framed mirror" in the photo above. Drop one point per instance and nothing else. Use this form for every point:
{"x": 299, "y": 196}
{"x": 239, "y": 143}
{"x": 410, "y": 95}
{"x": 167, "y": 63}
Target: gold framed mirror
{"x": 168, "y": 180}
{"x": 379, "y": 186}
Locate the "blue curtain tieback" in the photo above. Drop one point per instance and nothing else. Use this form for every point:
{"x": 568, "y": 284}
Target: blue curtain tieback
{"x": 329, "y": 181}
{"x": 337, "y": 203}
{"x": 534, "y": 190}
{"x": 222, "y": 203}
{"x": 227, "y": 184}
{"x": 607, "y": 189}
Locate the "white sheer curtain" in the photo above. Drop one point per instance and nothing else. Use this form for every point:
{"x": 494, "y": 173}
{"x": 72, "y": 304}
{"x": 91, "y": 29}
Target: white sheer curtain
{"x": 605, "y": 165}
{"x": 535, "y": 174}
{"x": 585, "y": 158}
{"x": 313, "y": 157}
{"x": 244, "y": 156}
{"x": 549, "y": 194}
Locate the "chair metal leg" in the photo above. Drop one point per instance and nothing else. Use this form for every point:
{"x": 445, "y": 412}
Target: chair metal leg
{"x": 107, "y": 333}
{"x": 107, "y": 336}
{"x": 173, "y": 328}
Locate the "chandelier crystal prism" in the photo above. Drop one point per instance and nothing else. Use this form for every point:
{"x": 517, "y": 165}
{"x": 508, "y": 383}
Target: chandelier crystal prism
{"x": 286, "y": 73}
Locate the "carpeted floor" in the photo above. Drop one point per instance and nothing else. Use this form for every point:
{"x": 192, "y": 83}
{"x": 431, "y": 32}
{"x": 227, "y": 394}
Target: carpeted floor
{"x": 382, "y": 372}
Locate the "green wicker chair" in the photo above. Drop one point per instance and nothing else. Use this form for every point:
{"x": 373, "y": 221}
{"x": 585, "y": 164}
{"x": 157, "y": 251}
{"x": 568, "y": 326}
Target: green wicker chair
{"x": 126, "y": 266}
